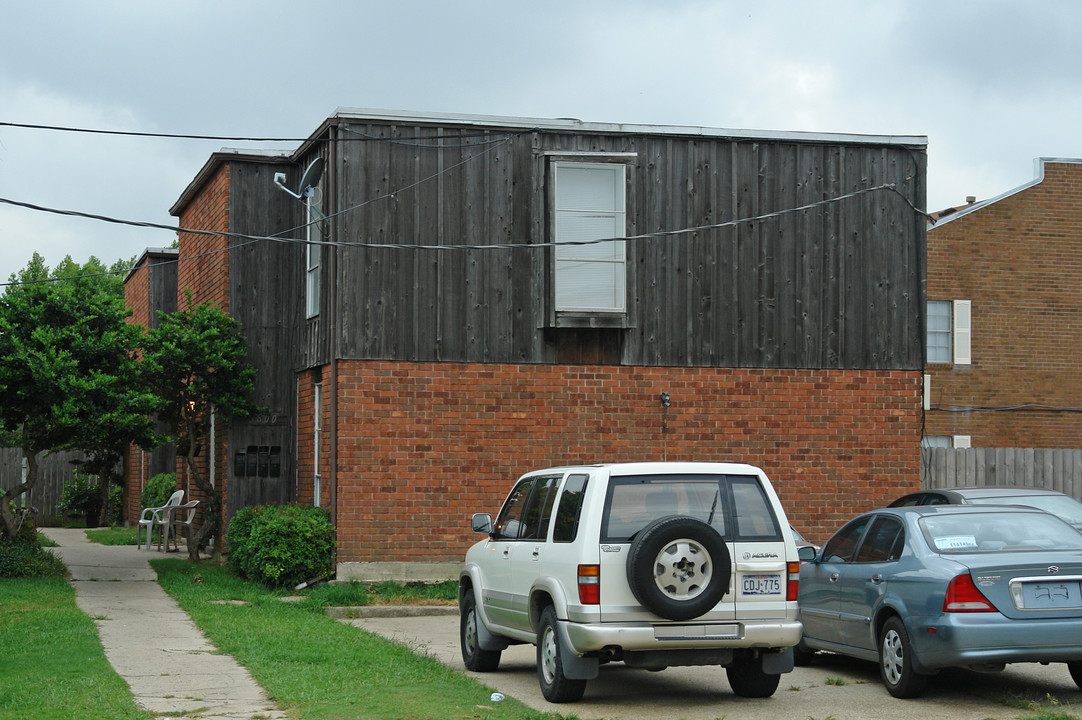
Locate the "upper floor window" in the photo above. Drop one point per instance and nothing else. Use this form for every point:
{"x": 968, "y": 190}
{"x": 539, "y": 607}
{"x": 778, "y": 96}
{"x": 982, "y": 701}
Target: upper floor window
{"x": 313, "y": 237}
{"x": 590, "y": 205}
{"x": 950, "y": 331}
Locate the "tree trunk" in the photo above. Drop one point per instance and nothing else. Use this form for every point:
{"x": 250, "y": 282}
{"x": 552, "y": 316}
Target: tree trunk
{"x": 211, "y": 512}
{"x": 12, "y": 524}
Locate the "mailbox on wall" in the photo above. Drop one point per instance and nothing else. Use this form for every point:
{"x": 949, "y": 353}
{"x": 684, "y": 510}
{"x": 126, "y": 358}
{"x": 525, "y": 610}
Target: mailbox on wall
{"x": 253, "y": 461}
{"x": 240, "y": 464}
{"x": 276, "y": 461}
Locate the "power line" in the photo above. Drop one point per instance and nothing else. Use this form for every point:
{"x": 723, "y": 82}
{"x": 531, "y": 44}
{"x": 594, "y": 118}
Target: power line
{"x": 359, "y": 136}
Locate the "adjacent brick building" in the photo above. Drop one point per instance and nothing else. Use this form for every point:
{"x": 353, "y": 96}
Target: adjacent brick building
{"x": 1005, "y": 316}
{"x": 450, "y": 301}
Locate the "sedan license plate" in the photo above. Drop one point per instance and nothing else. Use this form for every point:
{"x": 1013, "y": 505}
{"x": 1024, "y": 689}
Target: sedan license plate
{"x": 762, "y": 584}
{"x": 1051, "y": 595}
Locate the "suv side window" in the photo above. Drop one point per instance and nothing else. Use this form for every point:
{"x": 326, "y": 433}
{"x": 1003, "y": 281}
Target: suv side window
{"x": 535, "y": 517}
{"x": 509, "y": 522}
{"x": 567, "y": 512}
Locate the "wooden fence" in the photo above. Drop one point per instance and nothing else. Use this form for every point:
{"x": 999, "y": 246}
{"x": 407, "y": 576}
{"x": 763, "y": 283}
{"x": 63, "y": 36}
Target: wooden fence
{"x": 55, "y": 469}
{"x": 1052, "y": 469}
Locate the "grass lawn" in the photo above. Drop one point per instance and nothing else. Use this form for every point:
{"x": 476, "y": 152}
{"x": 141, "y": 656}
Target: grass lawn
{"x": 51, "y": 660}
{"x": 318, "y": 668}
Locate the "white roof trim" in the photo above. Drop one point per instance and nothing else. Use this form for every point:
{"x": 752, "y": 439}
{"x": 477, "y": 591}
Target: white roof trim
{"x": 574, "y": 125}
{"x": 1038, "y": 170}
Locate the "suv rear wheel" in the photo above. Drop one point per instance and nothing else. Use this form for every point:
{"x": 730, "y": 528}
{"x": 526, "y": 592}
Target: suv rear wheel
{"x": 747, "y": 679}
{"x": 473, "y": 657}
{"x": 555, "y": 686}
{"x": 678, "y": 567}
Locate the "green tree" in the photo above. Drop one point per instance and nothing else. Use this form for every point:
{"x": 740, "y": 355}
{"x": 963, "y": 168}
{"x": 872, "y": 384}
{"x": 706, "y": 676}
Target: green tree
{"x": 70, "y": 378}
{"x": 197, "y": 363}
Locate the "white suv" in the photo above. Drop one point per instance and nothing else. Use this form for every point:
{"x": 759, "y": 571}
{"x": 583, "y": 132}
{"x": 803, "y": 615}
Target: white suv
{"x": 652, "y": 564}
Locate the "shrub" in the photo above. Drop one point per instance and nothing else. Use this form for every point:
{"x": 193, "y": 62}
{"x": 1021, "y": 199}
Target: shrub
{"x": 281, "y": 545}
{"x": 23, "y": 557}
{"x": 158, "y": 489}
{"x": 81, "y": 496}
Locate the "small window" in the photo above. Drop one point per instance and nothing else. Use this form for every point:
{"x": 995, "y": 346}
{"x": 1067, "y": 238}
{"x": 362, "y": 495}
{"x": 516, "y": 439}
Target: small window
{"x": 535, "y": 517}
{"x": 754, "y": 516}
{"x": 939, "y": 331}
{"x": 314, "y": 239}
{"x": 936, "y": 441}
{"x": 569, "y": 509}
{"x": 884, "y": 541}
{"x": 590, "y": 205}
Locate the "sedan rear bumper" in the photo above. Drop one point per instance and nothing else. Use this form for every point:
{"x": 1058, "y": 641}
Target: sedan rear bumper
{"x": 977, "y": 638}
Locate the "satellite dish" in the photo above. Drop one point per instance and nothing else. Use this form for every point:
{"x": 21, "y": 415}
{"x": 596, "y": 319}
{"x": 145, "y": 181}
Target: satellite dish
{"x": 308, "y": 180}
{"x": 311, "y": 177}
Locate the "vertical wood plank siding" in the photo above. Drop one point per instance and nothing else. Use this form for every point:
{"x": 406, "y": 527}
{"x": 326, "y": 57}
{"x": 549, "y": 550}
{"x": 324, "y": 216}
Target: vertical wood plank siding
{"x": 839, "y": 285}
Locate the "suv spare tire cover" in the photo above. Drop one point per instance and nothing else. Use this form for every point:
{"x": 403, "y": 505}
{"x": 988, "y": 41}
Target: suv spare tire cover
{"x": 678, "y": 567}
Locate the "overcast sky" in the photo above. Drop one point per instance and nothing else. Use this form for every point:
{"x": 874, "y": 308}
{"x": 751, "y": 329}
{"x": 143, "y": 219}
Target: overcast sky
{"x": 993, "y": 85}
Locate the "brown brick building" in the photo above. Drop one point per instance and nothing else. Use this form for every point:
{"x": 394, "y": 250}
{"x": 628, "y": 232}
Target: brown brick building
{"x": 1005, "y": 317}
{"x": 454, "y": 300}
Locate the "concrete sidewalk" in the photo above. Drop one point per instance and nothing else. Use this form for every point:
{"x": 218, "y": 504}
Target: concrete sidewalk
{"x": 171, "y": 667}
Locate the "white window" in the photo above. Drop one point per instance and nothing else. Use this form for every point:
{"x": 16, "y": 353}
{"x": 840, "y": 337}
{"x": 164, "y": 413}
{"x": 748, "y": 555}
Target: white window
{"x": 936, "y": 441}
{"x": 950, "y": 331}
{"x": 939, "y": 331}
{"x": 313, "y": 239}
{"x": 317, "y": 438}
{"x": 590, "y": 205}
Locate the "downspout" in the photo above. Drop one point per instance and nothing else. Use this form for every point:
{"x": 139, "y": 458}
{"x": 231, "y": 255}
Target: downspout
{"x": 332, "y": 182}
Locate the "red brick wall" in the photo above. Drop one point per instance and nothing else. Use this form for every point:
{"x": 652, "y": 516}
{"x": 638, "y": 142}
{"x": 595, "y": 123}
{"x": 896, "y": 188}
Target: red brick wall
{"x": 1019, "y": 261}
{"x": 422, "y": 446}
{"x": 136, "y": 297}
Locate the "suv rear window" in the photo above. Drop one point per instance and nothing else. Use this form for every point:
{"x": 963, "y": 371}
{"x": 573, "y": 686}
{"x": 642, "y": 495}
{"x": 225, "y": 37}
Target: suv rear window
{"x": 734, "y": 505}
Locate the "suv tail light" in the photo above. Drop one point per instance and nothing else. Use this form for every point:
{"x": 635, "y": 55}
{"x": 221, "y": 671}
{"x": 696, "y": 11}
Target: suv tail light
{"x": 963, "y": 596}
{"x": 590, "y": 584}
{"x": 793, "y": 585}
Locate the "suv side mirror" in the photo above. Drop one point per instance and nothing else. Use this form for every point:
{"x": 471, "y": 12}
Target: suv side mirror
{"x": 481, "y": 523}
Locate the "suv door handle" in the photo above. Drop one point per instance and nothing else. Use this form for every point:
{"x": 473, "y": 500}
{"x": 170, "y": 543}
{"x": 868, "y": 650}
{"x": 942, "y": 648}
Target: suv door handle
{"x": 833, "y": 577}
{"x": 507, "y": 552}
{"x": 536, "y": 553}
{"x": 877, "y": 578}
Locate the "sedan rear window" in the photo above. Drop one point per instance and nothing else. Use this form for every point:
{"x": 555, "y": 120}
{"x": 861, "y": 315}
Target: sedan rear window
{"x": 998, "y": 532}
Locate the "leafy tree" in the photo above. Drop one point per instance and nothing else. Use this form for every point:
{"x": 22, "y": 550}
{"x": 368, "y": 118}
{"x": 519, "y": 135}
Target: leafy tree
{"x": 196, "y": 361}
{"x": 70, "y": 378}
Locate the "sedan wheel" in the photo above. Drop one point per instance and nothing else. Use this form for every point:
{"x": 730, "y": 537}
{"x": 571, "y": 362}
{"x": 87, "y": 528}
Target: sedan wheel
{"x": 896, "y": 661}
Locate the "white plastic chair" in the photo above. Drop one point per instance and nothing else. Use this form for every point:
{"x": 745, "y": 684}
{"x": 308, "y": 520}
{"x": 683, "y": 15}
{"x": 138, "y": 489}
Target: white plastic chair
{"x": 156, "y": 517}
{"x": 180, "y": 516}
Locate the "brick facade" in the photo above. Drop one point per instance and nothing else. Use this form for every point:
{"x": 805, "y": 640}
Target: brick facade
{"x": 1019, "y": 260}
{"x": 136, "y": 297}
{"x": 421, "y": 446}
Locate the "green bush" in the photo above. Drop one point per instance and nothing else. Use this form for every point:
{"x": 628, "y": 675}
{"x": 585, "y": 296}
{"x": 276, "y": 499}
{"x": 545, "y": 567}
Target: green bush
{"x": 81, "y": 496}
{"x": 23, "y": 557}
{"x": 281, "y": 545}
{"x": 158, "y": 489}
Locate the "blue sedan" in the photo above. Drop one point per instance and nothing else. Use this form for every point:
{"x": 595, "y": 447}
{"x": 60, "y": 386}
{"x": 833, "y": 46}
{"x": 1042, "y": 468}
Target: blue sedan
{"x": 917, "y": 589}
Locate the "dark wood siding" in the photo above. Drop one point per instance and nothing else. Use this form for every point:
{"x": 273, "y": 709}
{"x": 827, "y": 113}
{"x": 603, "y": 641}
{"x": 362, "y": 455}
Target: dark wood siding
{"x": 835, "y": 285}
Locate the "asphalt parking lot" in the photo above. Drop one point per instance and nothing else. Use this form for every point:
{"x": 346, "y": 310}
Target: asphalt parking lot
{"x": 834, "y": 687}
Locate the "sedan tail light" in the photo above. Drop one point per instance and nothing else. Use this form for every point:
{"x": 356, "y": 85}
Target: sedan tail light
{"x": 963, "y": 596}
{"x": 590, "y": 584}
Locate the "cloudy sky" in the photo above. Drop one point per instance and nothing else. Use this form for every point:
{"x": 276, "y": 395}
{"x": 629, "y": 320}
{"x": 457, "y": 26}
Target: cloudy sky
{"x": 993, "y": 85}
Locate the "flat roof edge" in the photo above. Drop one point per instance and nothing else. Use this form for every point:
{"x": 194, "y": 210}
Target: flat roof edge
{"x": 575, "y": 125}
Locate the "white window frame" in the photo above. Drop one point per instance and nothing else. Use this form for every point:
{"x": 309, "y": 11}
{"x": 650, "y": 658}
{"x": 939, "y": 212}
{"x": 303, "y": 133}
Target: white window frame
{"x": 958, "y": 348}
{"x": 936, "y": 441}
{"x": 313, "y": 252}
{"x": 944, "y": 348}
{"x": 317, "y": 440}
{"x": 572, "y": 221}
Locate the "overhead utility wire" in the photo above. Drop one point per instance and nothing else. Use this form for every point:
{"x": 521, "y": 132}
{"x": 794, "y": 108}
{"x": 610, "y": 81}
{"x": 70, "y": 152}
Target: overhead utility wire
{"x": 362, "y": 137}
